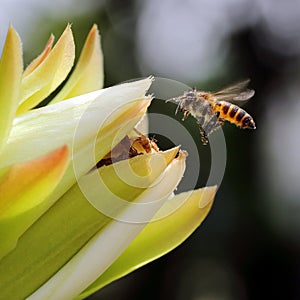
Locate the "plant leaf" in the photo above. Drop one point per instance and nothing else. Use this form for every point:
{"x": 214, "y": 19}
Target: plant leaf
{"x": 88, "y": 74}
{"x": 23, "y": 189}
{"x": 49, "y": 74}
{"x": 11, "y": 68}
{"x": 161, "y": 236}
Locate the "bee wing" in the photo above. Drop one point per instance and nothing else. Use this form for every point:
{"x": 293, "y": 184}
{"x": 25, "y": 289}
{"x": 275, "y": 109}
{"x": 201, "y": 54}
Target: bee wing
{"x": 235, "y": 88}
{"x": 225, "y": 97}
{"x": 235, "y": 92}
{"x": 243, "y": 96}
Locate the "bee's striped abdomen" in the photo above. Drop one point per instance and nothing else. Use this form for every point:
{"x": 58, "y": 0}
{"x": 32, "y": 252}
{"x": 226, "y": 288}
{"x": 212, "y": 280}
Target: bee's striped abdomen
{"x": 234, "y": 114}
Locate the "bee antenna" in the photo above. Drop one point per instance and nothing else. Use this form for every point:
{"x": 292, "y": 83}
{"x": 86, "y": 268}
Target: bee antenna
{"x": 171, "y": 99}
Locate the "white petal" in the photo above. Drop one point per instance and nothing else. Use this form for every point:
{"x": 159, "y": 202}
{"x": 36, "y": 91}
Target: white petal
{"x": 41, "y": 130}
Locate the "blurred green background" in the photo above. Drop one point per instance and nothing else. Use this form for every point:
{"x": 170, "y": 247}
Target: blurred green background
{"x": 249, "y": 246}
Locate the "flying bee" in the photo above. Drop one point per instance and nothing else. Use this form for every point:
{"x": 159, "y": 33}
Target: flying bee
{"x": 211, "y": 109}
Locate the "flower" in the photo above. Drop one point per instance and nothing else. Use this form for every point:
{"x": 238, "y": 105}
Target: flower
{"x": 75, "y": 213}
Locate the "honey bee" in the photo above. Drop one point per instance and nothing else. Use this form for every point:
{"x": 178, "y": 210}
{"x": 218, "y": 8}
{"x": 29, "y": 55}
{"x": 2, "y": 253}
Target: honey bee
{"x": 211, "y": 109}
{"x": 142, "y": 144}
{"x": 129, "y": 147}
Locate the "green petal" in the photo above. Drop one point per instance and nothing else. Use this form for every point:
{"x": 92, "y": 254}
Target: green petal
{"x": 109, "y": 243}
{"x": 88, "y": 74}
{"x": 11, "y": 68}
{"x": 161, "y": 236}
{"x": 23, "y": 189}
{"x": 49, "y": 74}
{"x": 65, "y": 228}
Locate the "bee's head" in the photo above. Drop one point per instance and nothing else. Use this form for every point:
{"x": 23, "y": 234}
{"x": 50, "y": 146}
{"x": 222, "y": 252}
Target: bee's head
{"x": 189, "y": 93}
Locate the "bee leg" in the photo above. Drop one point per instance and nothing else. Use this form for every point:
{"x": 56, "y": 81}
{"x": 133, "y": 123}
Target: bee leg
{"x": 221, "y": 122}
{"x": 179, "y": 106}
{"x": 185, "y": 114}
{"x": 204, "y": 137}
{"x": 176, "y": 100}
{"x": 213, "y": 122}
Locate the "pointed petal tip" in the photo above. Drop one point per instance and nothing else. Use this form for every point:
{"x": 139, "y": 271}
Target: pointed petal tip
{"x": 51, "y": 72}
{"x": 39, "y": 59}
{"x": 69, "y": 26}
{"x": 11, "y": 68}
{"x": 207, "y": 196}
{"x": 182, "y": 154}
{"x": 171, "y": 154}
{"x": 12, "y": 33}
{"x": 94, "y": 34}
{"x": 94, "y": 29}
{"x": 11, "y": 28}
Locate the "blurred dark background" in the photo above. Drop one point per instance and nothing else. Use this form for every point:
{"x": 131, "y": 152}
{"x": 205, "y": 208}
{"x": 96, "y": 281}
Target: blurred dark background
{"x": 249, "y": 246}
